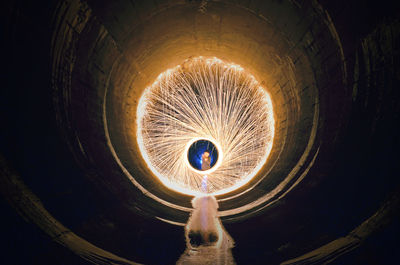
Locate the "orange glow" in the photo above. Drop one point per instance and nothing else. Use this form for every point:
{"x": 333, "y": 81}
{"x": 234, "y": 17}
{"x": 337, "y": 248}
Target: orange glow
{"x": 205, "y": 98}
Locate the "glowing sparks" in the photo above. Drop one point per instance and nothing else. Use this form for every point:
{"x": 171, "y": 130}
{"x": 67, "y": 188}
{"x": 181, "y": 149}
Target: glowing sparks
{"x": 205, "y": 99}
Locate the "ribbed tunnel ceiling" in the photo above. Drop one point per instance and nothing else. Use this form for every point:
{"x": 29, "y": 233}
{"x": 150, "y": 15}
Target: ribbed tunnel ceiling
{"x": 285, "y": 58}
{"x": 70, "y": 161}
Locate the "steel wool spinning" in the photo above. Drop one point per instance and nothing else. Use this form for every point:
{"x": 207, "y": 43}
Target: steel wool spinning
{"x": 205, "y": 110}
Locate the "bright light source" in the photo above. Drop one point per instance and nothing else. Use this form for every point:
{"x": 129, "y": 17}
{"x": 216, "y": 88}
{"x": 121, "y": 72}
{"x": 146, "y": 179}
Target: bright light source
{"x": 205, "y": 99}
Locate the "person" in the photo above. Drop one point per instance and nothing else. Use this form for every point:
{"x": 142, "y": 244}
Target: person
{"x": 205, "y": 161}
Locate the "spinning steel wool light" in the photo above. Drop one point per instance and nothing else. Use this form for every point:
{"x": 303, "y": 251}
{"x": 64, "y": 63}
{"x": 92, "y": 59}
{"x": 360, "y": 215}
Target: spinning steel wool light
{"x": 205, "y": 100}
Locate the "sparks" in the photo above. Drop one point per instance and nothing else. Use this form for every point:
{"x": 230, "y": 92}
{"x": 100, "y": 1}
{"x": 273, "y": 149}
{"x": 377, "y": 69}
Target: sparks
{"x": 205, "y": 99}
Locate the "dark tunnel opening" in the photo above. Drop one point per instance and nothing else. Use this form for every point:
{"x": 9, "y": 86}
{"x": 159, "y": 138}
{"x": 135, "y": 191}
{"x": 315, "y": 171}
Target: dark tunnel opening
{"x": 75, "y": 189}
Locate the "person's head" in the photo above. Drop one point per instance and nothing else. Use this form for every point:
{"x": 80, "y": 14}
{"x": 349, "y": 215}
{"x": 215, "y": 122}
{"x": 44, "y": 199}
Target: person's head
{"x": 206, "y": 154}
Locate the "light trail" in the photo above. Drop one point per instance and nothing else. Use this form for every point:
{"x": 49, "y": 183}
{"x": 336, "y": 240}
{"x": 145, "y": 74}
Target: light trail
{"x": 205, "y": 99}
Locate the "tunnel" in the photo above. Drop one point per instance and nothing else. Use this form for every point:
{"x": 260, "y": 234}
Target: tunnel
{"x": 77, "y": 187}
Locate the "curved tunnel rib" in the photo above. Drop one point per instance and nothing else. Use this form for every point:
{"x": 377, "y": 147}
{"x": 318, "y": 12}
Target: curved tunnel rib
{"x": 70, "y": 120}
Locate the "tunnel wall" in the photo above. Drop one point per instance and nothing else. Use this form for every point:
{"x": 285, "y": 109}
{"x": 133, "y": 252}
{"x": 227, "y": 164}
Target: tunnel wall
{"x": 112, "y": 64}
{"x": 78, "y": 57}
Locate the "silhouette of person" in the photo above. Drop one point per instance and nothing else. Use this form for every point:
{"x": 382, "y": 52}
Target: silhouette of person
{"x": 205, "y": 161}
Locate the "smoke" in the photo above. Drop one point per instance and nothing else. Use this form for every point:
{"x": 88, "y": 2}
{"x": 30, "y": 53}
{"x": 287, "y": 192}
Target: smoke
{"x": 207, "y": 242}
{"x": 203, "y": 227}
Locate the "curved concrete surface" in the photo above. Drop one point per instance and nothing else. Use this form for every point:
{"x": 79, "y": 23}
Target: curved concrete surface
{"x": 76, "y": 72}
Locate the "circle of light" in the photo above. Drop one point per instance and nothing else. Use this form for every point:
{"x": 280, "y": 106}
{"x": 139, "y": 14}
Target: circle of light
{"x": 204, "y": 172}
{"x": 205, "y": 98}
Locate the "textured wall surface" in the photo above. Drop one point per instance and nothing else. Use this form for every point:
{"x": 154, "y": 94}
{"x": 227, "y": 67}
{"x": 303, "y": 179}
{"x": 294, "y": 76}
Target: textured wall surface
{"x": 76, "y": 189}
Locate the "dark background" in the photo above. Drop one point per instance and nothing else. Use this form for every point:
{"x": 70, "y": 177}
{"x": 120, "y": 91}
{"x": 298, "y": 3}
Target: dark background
{"x": 366, "y": 159}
